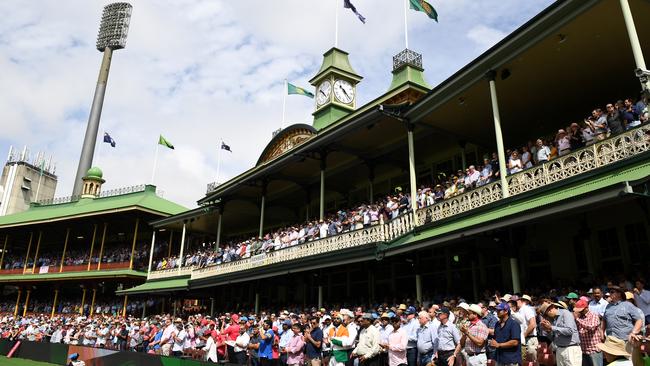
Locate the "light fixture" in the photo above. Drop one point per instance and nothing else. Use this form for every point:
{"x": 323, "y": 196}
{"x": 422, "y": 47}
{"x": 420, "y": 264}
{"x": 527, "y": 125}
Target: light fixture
{"x": 456, "y": 259}
{"x": 120, "y": 234}
{"x": 80, "y": 237}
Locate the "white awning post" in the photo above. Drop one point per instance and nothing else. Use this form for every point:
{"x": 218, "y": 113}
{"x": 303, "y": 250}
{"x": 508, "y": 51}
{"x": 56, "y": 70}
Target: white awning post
{"x": 497, "y": 131}
{"x": 180, "y": 255}
{"x": 153, "y": 241}
{"x": 412, "y": 176}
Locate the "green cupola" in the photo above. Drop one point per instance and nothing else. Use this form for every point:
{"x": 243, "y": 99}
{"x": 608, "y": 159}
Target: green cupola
{"x": 336, "y": 88}
{"x": 407, "y": 68}
{"x": 93, "y": 181}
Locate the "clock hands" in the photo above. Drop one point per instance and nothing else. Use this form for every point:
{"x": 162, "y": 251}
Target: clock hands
{"x": 322, "y": 92}
{"x": 344, "y": 92}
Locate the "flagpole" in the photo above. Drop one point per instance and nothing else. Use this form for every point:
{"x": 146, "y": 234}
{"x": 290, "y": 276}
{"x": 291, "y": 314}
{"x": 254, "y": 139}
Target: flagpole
{"x": 336, "y": 24}
{"x": 219, "y": 161}
{"x": 284, "y": 102}
{"x": 406, "y": 28}
{"x": 155, "y": 163}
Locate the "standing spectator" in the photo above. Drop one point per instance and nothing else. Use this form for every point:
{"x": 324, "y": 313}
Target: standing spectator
{"x": 590, "y": 334}
{"x": 254, "y": 347}
{"x": 514, "y": 163}
{"x": 615, "y": 352}
{"x": 475, "y": 337}
{"x": 368, "y": 347}
{"x": 642, "y": 298}
{"x": 448, "y": 341}
{"x": 385, "y": 330}
{"x": 211, "y": 349}
{"x": 597, "y": 304}
{"x": 561, "y": 325}
{"x": 530, "y": 327}
{"x": 526, "y": 157}
{"x": 576, "y": 137}
{"x": 614, "y": 121}
{"x": 427, "y": 333}
{"x": 411, "y": 327}
{"x": 490, "y": 322}
{"x": 241, "y": 345}
{"x": 543, "y": 152}
{"x": 313, "y": 341}
{"x": 295, "y": 353}
{"x": 562, "y": 142}
{"x": 622, "y": 319}
{"x": 396, "y": 345}
{"x": 507, "y": 336}
{"x": 179, "y": 340}
{"x": 287, "y": 334}
{"x": 266, "y": 343}
{"x": 599, "y": 124}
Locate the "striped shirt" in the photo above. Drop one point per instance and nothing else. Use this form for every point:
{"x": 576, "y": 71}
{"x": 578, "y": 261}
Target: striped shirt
{"x": 589, "y": 331}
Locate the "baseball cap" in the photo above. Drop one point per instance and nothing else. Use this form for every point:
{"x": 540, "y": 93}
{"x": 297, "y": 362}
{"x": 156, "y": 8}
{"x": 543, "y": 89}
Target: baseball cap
{"x": 443, "y": 310}
{"x": 580, "y": 305}
{"x": 572, "y": 295}
{"x": 503, "y": 306}
{"x": 410, "y": 310}
{"x": 287, "y": 322}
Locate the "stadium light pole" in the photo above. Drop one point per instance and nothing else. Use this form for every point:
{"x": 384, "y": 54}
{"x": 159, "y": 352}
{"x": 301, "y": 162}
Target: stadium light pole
{"x": 113, "y": 31}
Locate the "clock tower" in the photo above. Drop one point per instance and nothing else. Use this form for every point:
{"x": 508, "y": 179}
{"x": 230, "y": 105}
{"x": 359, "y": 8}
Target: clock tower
{"x": 336, "y": 88}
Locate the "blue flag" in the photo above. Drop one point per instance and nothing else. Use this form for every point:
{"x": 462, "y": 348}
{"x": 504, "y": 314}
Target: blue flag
{"x": 225, "y": 147}
{"x": 108, "y": 139}
{"x": 348, "y": 5}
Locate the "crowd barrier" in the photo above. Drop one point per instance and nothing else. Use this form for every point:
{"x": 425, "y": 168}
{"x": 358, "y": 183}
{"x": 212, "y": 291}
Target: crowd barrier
{"x": 57, "y": 353}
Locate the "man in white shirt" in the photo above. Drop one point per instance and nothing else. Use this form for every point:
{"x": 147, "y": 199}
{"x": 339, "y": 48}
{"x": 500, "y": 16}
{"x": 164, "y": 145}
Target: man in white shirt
{"x": 241, "y": 344}
{"x": 102, "y": 335}
{"x": 179, "y": 340}
{"x": 529, "y": 327}
{"x": 642, "y": 298}
{"x": 597, "y": 304}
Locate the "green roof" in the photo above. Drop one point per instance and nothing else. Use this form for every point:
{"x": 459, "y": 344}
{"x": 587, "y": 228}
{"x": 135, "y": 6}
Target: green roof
{"x": 121, "y": 273}
{"x": 174, "y": 284}
{"x": 145, "y": 200}
{"x": 94, "y": 172}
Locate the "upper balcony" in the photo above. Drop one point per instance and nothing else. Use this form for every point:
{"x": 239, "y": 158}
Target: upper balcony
{"x": 545, "y": 76}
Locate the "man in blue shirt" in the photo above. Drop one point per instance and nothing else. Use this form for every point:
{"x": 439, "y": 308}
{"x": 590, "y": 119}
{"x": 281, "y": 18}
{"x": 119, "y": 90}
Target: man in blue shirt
{"x": 313, "y": 342}
{"x": 266, "y": 343}
{"x": 507, "y": 336}
{"x": 490, "y": 321}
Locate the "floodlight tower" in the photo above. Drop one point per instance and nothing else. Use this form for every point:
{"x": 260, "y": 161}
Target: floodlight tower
{"x": 113, "y": 30}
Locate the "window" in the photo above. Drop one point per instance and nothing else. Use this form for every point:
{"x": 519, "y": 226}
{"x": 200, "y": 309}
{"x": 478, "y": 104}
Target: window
{"x": 637, "y": 240}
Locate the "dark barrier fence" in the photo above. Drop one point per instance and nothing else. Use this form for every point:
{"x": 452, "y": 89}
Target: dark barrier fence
{"x": 57, "y": 353}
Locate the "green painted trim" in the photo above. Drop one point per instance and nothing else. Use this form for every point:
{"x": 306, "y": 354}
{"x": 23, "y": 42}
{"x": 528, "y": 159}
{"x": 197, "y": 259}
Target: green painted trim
{"x": 174, "y": 284}
{"x": 407, "y": 74}
{"x": 146, "y": 200}
{"x": 328, "y": 115}
{"x": 553, "y": 196}
{"x": 82, "y": 275}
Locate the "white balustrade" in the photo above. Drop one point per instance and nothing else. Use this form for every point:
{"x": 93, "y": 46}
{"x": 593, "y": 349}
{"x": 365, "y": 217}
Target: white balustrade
{"x": 169, "y": 273}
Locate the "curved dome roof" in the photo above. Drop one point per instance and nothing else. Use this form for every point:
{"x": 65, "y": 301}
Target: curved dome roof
{"x": 94, "y": 172}
{"x": 286, "y": 140}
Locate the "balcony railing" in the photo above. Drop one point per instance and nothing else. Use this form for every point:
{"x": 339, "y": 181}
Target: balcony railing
{"x": 602, "y": 153}
{"x": 173, "y": 272}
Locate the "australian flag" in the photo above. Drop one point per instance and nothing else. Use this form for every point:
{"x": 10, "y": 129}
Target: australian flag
{"x": 108, "y": 139}
{"x": 225, "y": 147}
{"x": 348, "y": 5}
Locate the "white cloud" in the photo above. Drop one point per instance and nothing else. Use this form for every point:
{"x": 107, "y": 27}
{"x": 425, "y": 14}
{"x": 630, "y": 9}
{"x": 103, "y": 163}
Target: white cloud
{"x": 198, "y": 71}
{"x": 484, "y": 36}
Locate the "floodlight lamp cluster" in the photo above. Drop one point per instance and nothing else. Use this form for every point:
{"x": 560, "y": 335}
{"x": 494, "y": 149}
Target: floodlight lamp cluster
{"x": 114, "y": 27}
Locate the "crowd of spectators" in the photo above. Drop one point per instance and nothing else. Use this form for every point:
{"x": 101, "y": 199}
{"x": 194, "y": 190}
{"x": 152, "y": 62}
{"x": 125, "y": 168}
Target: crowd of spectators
{"x": 78, "y": 257}
{"x": 619, "y": 117}
{"x": 606, "y": 322}
{"x": 72, "y": 305}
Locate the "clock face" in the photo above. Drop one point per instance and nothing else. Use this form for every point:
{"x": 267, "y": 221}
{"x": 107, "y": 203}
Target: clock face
{"x": 323, "y": 92}
{"x": 344, "y": 91}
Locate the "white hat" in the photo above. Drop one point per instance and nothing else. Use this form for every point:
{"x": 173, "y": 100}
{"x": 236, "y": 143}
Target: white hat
{"x": 475, "y": 308}
{"x": 464, "y": 306}
{"x": 346, "y": 312}
{"x": 506, "y": 297}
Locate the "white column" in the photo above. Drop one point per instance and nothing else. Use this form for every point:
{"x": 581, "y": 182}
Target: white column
{"x": 180, "y": 256}
{"x": 634, "y": 37}
{"x": 418, "y": 288}
{"x": 262, "y": 215}
{"x": 514, "y": 271}
{"x": 322, "y": 191}
{"x": 219, "y": 231}
{"x": 497, "y": 131}
{"x": 412, "y": 177}
{"x": 320, "y": 296}
{"x": 153, "y": 241}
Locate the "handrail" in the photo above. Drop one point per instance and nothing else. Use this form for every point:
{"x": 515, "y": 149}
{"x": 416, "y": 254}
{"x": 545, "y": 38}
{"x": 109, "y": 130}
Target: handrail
{"x": 172, "y": 272}
{"x": 601, "y": 153}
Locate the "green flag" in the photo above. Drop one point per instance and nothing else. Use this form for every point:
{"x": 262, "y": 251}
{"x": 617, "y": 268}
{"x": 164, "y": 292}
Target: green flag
{"x": 423, "y": 6}
{"x": 163, "y": 141}
{"x": 292, "y": 89}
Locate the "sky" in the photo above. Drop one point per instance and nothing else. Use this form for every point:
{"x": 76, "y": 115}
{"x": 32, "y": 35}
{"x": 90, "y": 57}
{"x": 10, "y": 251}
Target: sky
{"x": 204, "y": 71}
